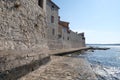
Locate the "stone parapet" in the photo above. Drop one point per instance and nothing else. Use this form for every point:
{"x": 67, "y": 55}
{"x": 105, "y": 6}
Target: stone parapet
{"x": 16, "y": 64}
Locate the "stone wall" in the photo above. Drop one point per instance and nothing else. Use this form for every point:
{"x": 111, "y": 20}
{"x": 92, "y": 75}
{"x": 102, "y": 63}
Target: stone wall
{"x": 52, "y": 12}
{"x": 22, "y": 25}
{"x": 16, "y": 64}
{"x": 69, "y": 38}
{"x": 58, "y": 35}
{"x": 23, "y": 44}
{"x": 77, "y": 39}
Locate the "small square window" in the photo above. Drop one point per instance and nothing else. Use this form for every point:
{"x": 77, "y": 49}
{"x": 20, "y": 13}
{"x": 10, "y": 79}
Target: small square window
{"x": 68, "y": 38}
{"x": 52, "y": 7}
{"x": 40, "y": 3}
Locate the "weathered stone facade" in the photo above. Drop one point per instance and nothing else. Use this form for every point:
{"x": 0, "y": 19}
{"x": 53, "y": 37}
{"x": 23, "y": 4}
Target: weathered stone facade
{"x": 23, "y": 33}
{"x": 77, "y": 39}
{"x": 52, "y": 13}
{"x": 22, "y": 25}
{"x": 59, "y": 35}
{"x": 70, "y": 38}
{"x": 28, "y": 30}
{"x": 52, "y": 19}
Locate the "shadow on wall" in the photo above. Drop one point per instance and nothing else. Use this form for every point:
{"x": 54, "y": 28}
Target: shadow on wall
{"x": 18, "y": 72}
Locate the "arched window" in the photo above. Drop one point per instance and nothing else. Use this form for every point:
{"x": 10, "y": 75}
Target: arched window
{"x": 40, "y": 3}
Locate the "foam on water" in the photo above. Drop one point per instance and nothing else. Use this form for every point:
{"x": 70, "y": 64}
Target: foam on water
{"x": 105, "y": 64}
{"x": 106, "y": 73}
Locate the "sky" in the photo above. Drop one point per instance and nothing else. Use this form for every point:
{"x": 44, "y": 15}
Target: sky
{"x": 98, "y": 19}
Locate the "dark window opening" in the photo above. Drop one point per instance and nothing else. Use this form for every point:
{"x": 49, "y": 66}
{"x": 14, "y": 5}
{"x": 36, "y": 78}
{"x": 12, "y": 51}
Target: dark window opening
{"x": 52, "y": 7}
{"x": 40, "y": 3}
{"x": 59, "y": 36}
{"x": 63, "y": 38}
{"x": 52, "y": 19}
{"x": 68, "y": 38}
{"x": 83, "y": 38}
{"x": 53, "y": 31}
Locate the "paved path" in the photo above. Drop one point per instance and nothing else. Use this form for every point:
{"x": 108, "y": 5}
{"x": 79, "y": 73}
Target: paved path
{"x": 63, "y": 68}
{"x": 67, "y": 51}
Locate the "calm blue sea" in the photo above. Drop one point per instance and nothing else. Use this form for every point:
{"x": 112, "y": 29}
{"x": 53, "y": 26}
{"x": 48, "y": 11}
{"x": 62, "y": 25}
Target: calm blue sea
{"x": 105, "y": 63}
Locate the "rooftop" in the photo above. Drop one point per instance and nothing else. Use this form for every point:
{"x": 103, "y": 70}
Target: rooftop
{"x": 54, "y": 4}
{"x": 64, "y": 24}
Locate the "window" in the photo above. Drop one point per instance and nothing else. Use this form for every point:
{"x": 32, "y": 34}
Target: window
{"x": 64, "y": 29}
{"x": 83, "y": 38}
{"x": 52, "y": 7}
{"x": 52, "y": 19}
{"x": 68, "y": 38}
{"x": 59, "y": 36}
{"x": 63, "y": 38}
{"x": 40, "y": 3}
{"x": 53, "y": 31}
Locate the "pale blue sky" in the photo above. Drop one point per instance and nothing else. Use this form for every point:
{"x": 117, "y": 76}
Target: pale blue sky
{"x": 99, "y": 19}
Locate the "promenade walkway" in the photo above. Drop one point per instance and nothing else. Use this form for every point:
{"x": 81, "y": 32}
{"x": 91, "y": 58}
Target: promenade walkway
{"x": 68, "y": 51}
{"x": 63, "y": 68}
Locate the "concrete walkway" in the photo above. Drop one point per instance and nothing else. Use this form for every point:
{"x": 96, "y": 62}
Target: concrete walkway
{"x": 67, "y": 51}
{"x": 63, "y": 68}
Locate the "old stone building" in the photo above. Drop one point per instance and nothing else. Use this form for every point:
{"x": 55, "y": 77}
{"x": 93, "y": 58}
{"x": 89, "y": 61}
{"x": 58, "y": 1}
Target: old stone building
{"x": 69, "y": 38}
{"x": 28, "y": 30}
{"x": 64, "y": 30}
{"x": 52, "y": 13}
{"x": 52, "y": 19}
{"x": 64, "y": 34}
{"x": 77, "y": 39}
{"x": 59, "y": 34}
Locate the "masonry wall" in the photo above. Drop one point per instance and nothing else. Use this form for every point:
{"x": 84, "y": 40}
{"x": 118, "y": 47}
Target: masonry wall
{"x": 26, "y": 36}
{"x": 52, "y": 10}
{"x": 70, "y": 39}
{"x": 52, "y": 30}
{"x": 22, "y": 25}
{"x": 77, "y": 40}
{"x": 65, "y": 37}
{"x": 23, "y": 44}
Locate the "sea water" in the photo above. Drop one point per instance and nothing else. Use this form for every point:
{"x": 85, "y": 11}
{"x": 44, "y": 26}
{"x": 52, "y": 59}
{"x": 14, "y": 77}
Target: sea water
{"x": 105, "y": 63}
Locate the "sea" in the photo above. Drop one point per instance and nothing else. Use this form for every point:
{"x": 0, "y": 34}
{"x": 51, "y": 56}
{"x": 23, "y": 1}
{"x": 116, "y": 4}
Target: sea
{"x": 105, "y": 63}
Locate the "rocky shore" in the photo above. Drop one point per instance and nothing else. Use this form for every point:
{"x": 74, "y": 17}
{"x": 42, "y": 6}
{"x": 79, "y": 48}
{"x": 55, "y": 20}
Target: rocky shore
{"x": 63, "y": 68}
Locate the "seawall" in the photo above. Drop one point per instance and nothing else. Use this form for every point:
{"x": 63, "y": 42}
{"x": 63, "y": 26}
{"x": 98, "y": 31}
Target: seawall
{"x": 23, "y": 45}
